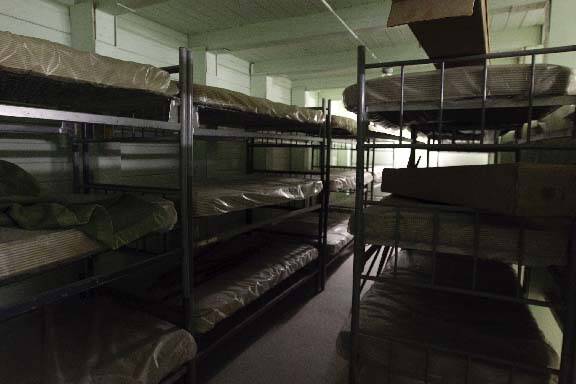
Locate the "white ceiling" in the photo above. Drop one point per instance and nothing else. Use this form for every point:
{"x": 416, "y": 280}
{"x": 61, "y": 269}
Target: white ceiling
{"x": 301, "y": 40}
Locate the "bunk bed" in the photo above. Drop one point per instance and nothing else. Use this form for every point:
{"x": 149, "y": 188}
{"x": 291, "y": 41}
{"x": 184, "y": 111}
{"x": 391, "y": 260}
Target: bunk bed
{"x": 477, "y": 246}
{"x": 76, "y": 95}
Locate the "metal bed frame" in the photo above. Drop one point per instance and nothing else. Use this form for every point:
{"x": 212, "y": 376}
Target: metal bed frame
{"x": 259, "y": 132}
{"x": 476, "y": 143}
{"x": 81, "y": 128}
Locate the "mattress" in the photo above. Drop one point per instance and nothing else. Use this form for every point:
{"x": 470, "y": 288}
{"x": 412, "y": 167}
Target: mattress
{"x": 99, "y": 342}
{"x": 411, "y": 321}
{"x": 29, "y": 55}
{"x": 344, "y": 125}
{"x": 25, "y": 251}
{"x": 345, "y": 180}
{"x": 266, "y": 267}
{"x": 218, "y": 197}
{"x": 508, "y": 86}
{"x": 343, "y": 200}
{"x": 220, "y": 100}
{"x": 519, "y": 189}
{"x": 545, "y": 243}
{"x": 307, "y": 225}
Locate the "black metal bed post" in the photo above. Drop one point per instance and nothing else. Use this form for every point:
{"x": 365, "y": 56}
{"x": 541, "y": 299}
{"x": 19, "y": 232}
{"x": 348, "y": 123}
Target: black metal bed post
{"x": 359, "y": 246}
{"x": 568, "y": 357}
{"x": 187, "y": 121}
{"x": 326, "y": 195}
{"x": 249, "y": 170}
{"x": 85, "y": 162}
{"x": 325, "y": 187}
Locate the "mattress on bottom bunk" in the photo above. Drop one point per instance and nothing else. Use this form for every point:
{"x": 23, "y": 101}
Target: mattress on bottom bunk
{"x": 96, "y": 342}
{"x": 26, "y": 251}
{"x": 449, "y": 326}
{"x": 543, "y": 243}
{"x": 345, "y": 180}
{"x": 265, "y": 268}
{"x": 307, "y": 225}
{"x": 218, "y": 197}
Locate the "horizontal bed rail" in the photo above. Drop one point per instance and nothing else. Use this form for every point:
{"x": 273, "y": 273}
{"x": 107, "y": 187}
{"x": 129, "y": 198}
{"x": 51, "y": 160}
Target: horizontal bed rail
{"x": 487, "y": 56}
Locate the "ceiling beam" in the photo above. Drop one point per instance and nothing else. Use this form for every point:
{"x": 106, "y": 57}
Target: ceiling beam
{"x": 120, "y": 7}
{"x": 294, "y": 28}
{"x": 333, "y": 61}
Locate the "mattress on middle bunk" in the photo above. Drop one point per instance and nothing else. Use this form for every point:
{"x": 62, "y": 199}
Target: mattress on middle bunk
{"x": 25, "y": 251}
{"x": 219, "y": 196}
{"x": 508, "y": 86}
{"x": 544, "y": 243}
{"x": 93, "y": 342}
{"x": 400, "y": 326}
{"x": 345, "y": 180}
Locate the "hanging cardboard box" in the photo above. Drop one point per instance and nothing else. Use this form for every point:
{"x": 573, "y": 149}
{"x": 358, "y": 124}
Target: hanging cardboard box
{"x": 445, "y": 28}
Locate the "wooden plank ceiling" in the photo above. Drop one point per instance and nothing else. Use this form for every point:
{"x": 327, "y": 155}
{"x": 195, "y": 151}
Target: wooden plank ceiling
{"x": 301, "y": 40}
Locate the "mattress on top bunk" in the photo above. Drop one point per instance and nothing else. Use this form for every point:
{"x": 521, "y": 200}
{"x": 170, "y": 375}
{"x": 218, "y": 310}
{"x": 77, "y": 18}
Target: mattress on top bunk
{"x": 26, "y": 251}
{"x": 345, "y": 180}
{"x": 545, "y": 243}
{"x": 95, "y": 342}
{"x": 220, "y": 98}
{"x": 461, "y": 83}
{"x": 413, "y": 320}
{"x": 269, "y": 261}
{"x": 218, "y": 197}
{"x": 30, "y": 55}
{"x": 307, "y": 225}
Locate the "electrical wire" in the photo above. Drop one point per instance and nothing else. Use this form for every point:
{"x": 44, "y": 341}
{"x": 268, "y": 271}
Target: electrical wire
{"x": 354, "y": 34}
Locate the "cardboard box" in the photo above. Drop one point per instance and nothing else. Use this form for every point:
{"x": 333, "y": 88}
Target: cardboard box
{"x": 445, "y": 28}
{"x": 529, "y": 190}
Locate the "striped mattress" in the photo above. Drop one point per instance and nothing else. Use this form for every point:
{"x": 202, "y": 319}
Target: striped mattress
{"x": 25, "y": 251}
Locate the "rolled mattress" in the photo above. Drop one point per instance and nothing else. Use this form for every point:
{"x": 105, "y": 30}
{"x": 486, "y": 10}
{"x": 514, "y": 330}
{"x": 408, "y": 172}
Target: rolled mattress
{"x": 27, "y": 251}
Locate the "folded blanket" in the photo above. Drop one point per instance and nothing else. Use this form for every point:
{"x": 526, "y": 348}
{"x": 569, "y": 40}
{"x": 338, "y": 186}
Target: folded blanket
{"x": 114, "y": 220}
